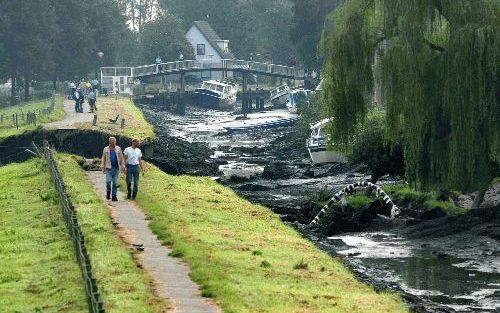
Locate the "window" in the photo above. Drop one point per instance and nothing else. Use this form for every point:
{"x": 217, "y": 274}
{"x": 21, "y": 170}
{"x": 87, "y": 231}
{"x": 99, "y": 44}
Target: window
{"x": 200, "y": 49}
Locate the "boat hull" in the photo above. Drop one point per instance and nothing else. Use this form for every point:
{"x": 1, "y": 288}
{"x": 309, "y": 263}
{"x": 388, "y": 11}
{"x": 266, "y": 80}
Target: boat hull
{"x": 321, "y": 155}
{"x": 211, "y": 100}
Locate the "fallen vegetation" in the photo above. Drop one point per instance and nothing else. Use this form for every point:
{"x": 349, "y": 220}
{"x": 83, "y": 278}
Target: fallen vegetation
{"x": 38, "y": 271}
{"x": 242, "y": 254}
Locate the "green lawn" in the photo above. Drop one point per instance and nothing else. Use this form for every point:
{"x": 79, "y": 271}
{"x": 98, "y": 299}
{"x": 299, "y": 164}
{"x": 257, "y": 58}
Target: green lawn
{"x": 245, "y": 257}
{"x": 109, "y": 107}
{"x": 124, "y": 287}
{"x": 38, "y": 267}
{"x": 8, "y": 129}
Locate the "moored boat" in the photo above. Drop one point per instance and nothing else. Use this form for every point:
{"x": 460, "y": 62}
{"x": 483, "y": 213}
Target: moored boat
{"x": 297, "y": 98}
{"x": 318, "y": 147}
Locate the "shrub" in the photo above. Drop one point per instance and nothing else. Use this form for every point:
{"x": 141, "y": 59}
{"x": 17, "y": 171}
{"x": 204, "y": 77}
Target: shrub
{"x": 370, "y": 147}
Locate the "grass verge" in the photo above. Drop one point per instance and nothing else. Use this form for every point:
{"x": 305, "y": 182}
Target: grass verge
{"x": 244, "y": 256}
{"x": 124, "y": 287}
{"x": 109, "y": 107}
{"x": 7, "y": 128}
{"x": 38, "y": 271}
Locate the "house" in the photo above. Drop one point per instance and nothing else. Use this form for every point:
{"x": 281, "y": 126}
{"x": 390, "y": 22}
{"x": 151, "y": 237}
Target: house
{"x": 208, "y": 46}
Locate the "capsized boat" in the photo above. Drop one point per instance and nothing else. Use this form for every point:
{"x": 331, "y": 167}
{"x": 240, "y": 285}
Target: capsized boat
{"x": 215, "y": 94}
{"x": 297, "y": 98}
{"x": 318, "y": 147}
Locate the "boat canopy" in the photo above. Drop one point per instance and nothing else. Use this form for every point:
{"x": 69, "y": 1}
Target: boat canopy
{"x": 321, "y": 123}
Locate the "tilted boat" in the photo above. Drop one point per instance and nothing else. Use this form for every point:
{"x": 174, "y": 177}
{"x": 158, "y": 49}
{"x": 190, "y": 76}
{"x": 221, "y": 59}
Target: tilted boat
{"x": 279, "y": 96}
{"x": 318, "y": 147}
{"x": 214, "y": 94}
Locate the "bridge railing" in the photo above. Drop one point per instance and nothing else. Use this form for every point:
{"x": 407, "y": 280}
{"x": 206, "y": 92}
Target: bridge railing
{"x": 225, "y": 64}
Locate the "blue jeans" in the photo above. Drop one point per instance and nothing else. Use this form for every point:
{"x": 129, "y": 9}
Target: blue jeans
{"x": 132, "y": 175}
{"x": 112, "y": 180}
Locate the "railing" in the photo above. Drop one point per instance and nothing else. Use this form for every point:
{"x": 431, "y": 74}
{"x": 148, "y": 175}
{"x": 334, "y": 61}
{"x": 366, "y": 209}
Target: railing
{"x": 96, "y": 305}
{"x": 223, "y": 65}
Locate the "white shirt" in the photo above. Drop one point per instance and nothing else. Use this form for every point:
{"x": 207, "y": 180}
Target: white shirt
{"x": 133, "y": 155}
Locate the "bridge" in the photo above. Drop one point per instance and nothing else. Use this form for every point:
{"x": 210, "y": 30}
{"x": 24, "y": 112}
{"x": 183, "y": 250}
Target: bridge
{"x": 225, "y": 65}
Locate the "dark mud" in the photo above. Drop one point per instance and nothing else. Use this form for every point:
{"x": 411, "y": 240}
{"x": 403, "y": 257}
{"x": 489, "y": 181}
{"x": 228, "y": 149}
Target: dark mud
{"x": 438, "y": 263}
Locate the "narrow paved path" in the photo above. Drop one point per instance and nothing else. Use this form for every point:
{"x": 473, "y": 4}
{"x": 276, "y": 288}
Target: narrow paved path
{"x": 169, "y": 274}
{"x": 72, "y": 117}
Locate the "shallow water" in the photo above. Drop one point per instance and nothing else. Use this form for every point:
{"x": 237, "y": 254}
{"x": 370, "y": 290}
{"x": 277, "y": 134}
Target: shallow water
{"x": 439, "y": 278}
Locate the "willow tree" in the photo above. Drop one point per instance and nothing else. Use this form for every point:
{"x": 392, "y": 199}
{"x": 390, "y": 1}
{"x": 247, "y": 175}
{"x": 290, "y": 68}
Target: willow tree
{"x": 437, "y": 67}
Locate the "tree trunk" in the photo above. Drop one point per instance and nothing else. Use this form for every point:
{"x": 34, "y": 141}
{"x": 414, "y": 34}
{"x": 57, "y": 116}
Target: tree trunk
{"x": 13, "y": 85}
{"x": 54, "y": 82}
{"x": 478, "y": 200}
{"x": 26, "y": 86}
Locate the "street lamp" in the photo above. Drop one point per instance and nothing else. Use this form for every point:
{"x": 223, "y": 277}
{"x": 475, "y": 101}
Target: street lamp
{"x": 100, "y": 55}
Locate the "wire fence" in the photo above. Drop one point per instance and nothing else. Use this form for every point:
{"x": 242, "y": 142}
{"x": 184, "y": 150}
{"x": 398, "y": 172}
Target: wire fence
{"x": 96, "y": 304}
{"x": 18, "y": 118}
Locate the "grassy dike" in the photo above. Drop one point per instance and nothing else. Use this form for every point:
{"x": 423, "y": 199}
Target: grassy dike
{"x": 38, "y": 268}
{"x": 124, "y": 287}
{"x": 245, "y": 257}
{"x": 7, "y": 129}
{"x": 109, "y": 107}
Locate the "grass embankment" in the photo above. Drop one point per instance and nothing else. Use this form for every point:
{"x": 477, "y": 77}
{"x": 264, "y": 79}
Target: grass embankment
{"x": 8, "y": 128}
{"x": 109, "y": 107}
{"x": 38, "y": 268}
{"x": 245, "y": 257}
{"x": 124, "y": 287}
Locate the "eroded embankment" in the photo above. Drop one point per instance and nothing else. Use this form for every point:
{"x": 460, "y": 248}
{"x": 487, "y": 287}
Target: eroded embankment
{"x": 171, "y": 154}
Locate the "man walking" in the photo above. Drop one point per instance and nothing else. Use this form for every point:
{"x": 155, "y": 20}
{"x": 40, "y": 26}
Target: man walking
{"x": 111, "y": 162}
{"x": 92, "y": 101}
{"x": 133, "y": 159}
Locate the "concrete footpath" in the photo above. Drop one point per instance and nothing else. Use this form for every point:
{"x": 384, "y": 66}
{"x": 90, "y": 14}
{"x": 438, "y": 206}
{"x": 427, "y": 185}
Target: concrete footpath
{"x": 72, "y": 118}
{"x": 170, "y": 275}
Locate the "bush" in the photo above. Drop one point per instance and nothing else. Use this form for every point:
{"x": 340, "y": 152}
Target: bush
{"x": 371, "y": 148}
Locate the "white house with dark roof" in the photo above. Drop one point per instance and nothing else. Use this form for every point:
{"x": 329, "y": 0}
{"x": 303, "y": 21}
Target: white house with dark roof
{"x": 208, "y": 46}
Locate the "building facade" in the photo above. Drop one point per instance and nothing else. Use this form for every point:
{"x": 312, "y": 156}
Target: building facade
{"x": 208, "y": 47}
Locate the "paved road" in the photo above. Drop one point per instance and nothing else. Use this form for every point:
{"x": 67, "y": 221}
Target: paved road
{"x": 72, "y": 117}
{"x": 169, "y": 274}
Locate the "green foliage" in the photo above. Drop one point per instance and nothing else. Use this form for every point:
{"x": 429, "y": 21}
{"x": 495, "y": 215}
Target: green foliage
{"x": 164, "y": 37}
{"x": 50, "y": 40}
{"x": 370, "y": 147}
{"x": 311, "y": 113}
{"x": 437, "y": 69}
{"x": 252, "y": 26}
{"x": 307, "y": 23}
{"x": 38, "y": 271}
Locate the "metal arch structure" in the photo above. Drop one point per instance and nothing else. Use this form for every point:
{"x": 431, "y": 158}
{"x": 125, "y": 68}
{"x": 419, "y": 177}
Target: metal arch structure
{"x": 350, "y": 189}
{"x": 225, "y": 65}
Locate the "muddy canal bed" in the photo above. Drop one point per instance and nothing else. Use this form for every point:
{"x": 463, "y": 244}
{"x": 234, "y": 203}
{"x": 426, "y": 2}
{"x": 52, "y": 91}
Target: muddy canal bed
{"x": 439, "y": 265}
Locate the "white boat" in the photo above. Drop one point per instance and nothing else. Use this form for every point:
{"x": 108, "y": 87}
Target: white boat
{"x": 216, "y": 95}
{"x": 317, "y": 145}
{"x": 296, "y": 98}
{"x": 279, "y": 95}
